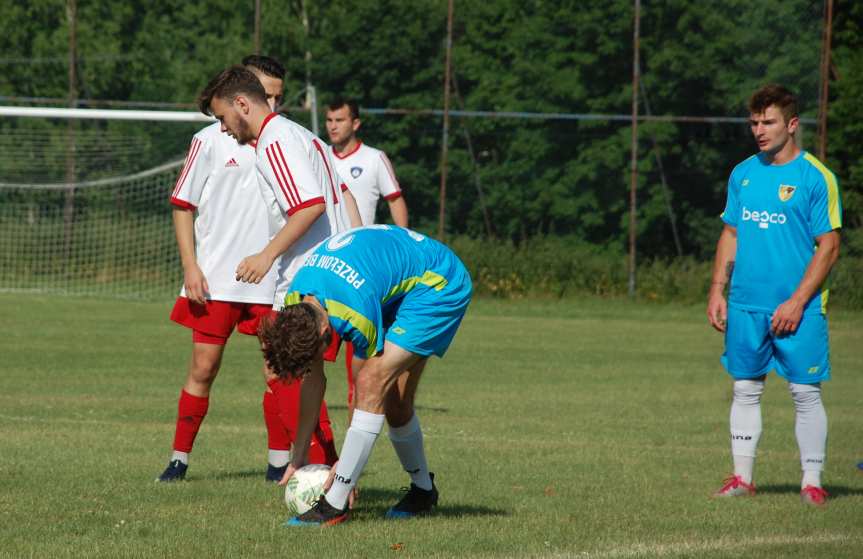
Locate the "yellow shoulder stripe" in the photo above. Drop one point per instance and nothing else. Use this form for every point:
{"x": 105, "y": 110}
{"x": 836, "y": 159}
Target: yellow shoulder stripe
{"x": 429, "y": 278}
{"x": 832, "y": 191}
{"x": 356, "y": 319}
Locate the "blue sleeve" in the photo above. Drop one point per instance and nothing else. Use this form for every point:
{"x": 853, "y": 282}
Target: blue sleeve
{"x": 732, "y": 202}
{"x": 825, "y": 207}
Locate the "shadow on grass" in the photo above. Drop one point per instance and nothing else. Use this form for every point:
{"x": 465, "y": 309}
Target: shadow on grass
{"x": 378, "y": 501}
{"x": 835, "y": 491}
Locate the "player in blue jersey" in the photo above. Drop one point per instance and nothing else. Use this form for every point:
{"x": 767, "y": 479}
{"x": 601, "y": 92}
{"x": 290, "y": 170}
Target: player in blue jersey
{"x": 399, "y": 298}
{"x": 781, "y": 239}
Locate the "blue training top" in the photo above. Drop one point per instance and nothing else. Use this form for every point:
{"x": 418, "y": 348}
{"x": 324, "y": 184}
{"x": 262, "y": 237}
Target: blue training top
{"x": 362, "y": 274}
{"x": 778, "y": 211}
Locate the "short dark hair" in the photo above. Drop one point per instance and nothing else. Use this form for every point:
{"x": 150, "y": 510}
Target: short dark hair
{"x": 774, "y": 94}
{"x": 292, "y": 340}
{"x": 229, "y": 84}
{"x": 340, "y": 102}
{"x": 266, "y": 64}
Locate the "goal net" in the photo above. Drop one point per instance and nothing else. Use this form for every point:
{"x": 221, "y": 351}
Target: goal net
{"x": 84, "y": 204}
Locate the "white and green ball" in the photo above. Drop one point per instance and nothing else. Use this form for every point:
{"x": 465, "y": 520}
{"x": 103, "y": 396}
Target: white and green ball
{"x": 305, "y": 487}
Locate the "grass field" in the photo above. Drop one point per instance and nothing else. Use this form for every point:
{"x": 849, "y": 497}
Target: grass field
{"x": 556, "y": 429}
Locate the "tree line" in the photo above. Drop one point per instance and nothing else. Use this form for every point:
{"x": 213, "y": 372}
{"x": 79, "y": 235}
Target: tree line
{"x": 530, "y": 177}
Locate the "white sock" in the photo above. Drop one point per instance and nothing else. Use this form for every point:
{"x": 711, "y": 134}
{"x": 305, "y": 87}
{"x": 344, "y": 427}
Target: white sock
{"x": 745, "y": 422}
{"x": 811, "y": 430}
{"x": 359, "y": 440}
{"x": 181, "y": 456}
{"x": 407, "y": 441}
{"x": 278, "y": 458}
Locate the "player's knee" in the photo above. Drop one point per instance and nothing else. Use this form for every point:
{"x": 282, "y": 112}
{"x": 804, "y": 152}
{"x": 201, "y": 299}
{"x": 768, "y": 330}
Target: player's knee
{"x": 748, "y": 392}
{"x": 805, "y": 396}
{"x": 204, "y": 367}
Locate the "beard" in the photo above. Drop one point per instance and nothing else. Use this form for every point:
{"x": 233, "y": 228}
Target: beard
{"x": 243, "y": 133}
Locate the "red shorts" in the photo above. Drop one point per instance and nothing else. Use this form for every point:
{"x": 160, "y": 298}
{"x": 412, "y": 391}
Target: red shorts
{"x": 213, "y": 322}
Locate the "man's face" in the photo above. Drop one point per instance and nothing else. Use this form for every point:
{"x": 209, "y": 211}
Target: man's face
{"x": 770, "y": 130}
{"x": 340, "y": 126}
{"x": 233, "y": 116}
{"x": 273, "y": 87}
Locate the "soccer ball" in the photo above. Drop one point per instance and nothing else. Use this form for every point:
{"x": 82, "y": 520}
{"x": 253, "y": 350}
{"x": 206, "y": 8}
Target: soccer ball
{"x": 305, "y": 487}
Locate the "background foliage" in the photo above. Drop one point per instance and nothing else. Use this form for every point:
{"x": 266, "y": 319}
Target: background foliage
{"x": 560, "y": 179}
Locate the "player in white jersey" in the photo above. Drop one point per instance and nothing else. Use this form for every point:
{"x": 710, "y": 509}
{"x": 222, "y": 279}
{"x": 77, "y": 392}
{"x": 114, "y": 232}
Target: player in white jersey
{"x": 305, "y": 198}
{"x": 366, "y": 170}
{"x": 218, "y": 182}
{"x": 370, "y": 177}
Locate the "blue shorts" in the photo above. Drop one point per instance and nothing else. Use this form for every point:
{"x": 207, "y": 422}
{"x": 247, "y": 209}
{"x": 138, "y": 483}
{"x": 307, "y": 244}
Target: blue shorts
{"x": 427, "y": 318}
{"x": 752, "y": 350}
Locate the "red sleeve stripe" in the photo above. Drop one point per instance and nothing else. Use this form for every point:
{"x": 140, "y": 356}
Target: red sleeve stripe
{"x": 393, "y": 196}
{"x": 279, "y": 156}
{"x": 329, "y": 173}
{"x": 187, "y": 166}
{"x": 344, "y": 187}
{"x": 182, "y": 204}
{"x": 307, "y": 204}
{"x": 279, "y": 177}
{"x": 390, "y": 170}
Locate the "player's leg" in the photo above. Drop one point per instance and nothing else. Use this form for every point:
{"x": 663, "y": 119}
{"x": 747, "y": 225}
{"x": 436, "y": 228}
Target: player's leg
{"x": 748, "y": 356}
{"x": 803, "y": 359}
{"x": 374, "y": 380}
{"x": 194, "y": 401}
{"x": 407, "y": 439}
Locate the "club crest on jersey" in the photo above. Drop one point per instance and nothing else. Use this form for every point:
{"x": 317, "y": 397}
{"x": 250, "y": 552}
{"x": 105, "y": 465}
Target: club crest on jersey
{"x": 232, "y": 163}
{"x": 356, "y": 171}
{"x": 786, "y": 192}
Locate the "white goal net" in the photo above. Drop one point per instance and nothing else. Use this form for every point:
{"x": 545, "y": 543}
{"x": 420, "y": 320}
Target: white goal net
{"x": 107, "y": 231}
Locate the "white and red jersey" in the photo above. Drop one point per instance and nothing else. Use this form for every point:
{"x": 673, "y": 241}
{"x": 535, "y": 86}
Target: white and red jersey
{"x": 369, "y": 176}
{"x": 296, "y": 171}
{"x": 219, "y": 181}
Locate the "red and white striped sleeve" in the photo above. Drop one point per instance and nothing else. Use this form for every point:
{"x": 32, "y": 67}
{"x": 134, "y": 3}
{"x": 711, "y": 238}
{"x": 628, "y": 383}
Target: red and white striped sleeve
{"x": 194, "y": 175}
{"x": 386, "y": 179}
{"x": 286, "y": 166}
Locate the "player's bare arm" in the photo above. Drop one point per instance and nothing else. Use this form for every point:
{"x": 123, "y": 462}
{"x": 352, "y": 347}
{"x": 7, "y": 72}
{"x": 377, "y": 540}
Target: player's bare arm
{"x": 253, "y": 268}
{"x": 193, "y": 277}
{"x": 723, "y": 266}
{"x": 311, "y": 395}
{"x": 399, "y": 211}
{"x": 787, "y": 316}
{"x": 352, "y": 208}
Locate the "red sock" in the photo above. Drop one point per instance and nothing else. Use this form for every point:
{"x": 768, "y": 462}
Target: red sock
{"x": 191, "y": 411}
{"x": 349, "y": 365}
{"x": 322, "y": 449}
{"x": 277, "y": 435}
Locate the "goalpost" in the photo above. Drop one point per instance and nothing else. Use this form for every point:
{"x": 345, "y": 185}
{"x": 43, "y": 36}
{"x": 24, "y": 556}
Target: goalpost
{"x": 108, "y": 232}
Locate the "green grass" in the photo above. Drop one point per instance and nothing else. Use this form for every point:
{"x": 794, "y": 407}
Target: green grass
{"x": 587, "y": 428}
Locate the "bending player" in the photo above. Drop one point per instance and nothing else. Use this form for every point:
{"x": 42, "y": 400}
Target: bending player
{"x": 369, "y": 176}
{"x": 781, "y": 238}
{"x": 399, "y": 297}
{"x": 218, "y": 182}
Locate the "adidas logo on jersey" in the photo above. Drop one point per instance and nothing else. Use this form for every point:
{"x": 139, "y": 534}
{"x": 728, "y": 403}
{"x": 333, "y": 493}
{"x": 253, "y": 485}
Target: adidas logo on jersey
{"x": 232, "y": 163}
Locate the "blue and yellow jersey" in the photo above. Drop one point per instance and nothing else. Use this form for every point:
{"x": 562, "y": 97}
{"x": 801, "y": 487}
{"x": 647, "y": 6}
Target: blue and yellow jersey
{"x": 778, "y": 211}
{"x": 361, "y": 275}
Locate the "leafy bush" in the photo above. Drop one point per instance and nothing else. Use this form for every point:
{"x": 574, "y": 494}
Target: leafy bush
{"x": 562, "y": 266}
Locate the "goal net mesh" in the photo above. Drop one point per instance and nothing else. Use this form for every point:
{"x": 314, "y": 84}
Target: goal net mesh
{"x": 106, "y": 232}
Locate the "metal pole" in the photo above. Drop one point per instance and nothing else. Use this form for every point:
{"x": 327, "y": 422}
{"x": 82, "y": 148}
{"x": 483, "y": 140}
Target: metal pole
{"x": 257, "y": 26}
{"x": 825, "y": 81}
{"x": 446, "y": 87}
{"x": 633, "y": 161}
{"x": 71, "y": 128}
